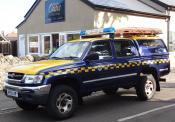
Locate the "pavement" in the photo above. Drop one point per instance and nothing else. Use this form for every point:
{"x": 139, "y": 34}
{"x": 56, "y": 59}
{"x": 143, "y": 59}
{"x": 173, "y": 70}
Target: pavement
{"x": 122, "y": 107}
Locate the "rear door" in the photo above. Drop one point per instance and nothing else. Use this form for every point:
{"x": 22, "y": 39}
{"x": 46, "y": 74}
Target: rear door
{"x": 127, "y": 61}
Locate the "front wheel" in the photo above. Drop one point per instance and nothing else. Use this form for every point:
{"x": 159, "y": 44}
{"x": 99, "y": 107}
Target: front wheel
{"x": 26, "y": 106}
{"x": 62, "y": 102}
{"x": 146, "y": 87}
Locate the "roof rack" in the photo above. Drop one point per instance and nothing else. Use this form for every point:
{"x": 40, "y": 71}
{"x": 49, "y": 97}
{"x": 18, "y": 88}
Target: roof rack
{"x": 98, "y": 33}
{"x": 137, "y": 31}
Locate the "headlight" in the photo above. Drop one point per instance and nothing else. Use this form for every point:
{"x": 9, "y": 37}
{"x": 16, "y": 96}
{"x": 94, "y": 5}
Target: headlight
{"x": 33, "y": 79}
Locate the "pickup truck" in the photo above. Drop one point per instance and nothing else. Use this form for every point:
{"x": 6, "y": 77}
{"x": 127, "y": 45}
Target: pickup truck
{"x": 80, "y": 67}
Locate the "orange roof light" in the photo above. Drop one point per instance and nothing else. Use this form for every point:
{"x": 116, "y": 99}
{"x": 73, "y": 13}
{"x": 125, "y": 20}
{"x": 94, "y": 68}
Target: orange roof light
{"x": 132, "y": 31}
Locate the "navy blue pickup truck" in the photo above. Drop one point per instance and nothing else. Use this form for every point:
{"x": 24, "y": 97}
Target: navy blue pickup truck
{"x": 81, "y": 67}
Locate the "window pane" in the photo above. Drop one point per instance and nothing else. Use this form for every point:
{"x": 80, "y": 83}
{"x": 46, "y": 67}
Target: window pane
{"x": 33, "y": 50}
{"x": 125, "y": 48}
{"x": 33, "y": 44}
{"x": 71, "y": 37}
{"x": 103, "y": 49}
{"x": 150, "y": 47}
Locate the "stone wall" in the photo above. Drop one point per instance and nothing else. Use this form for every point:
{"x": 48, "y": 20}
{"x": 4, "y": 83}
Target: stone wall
{"x": 7, "y": 62}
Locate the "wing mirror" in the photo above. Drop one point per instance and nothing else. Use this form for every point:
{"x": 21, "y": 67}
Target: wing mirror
{"x": 92, "y": 56}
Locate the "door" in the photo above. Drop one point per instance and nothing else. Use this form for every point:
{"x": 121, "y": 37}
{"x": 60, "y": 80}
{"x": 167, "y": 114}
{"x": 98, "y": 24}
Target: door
{"x": 22, "y": 46}
{"x": 127, "y": 61}
{"x": 46, "y": 44}
{"x": 99, "y": 69}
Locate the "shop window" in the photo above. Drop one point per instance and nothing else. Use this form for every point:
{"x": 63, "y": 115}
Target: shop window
{"x": 33, "y": 45}
{"x": 71, "y": 37}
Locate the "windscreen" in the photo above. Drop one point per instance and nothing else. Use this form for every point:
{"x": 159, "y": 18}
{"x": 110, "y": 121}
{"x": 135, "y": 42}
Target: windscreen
{"x": 152, "y": 47}
{"x": 70, "y": 51}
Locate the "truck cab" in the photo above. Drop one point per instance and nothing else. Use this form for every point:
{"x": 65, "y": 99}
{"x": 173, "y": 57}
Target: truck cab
{"x": 93, "y": 63}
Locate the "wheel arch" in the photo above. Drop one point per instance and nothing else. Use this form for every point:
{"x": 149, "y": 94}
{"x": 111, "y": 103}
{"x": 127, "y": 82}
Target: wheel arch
{"x": 154, "y": 72}
{"x": 70, "y": 81}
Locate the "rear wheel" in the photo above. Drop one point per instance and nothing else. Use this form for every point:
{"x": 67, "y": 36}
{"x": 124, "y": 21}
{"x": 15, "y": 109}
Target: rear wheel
{"x": 62, "y": 102}
{"x": 111, "y": 91}
{"x": 26, "y": 106}
{"x": 146, "y": 87}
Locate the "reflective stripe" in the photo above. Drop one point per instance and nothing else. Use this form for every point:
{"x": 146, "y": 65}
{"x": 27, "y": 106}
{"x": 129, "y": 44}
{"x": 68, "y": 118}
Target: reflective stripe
{"x": 108, "y": 78}
{"x": 100, "y": 68}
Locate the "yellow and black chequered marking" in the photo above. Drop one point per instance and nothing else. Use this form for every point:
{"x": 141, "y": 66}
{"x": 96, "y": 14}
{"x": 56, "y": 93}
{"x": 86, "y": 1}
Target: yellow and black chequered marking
{"x": 158, "y": 61}
{"x": 105, "y": 67}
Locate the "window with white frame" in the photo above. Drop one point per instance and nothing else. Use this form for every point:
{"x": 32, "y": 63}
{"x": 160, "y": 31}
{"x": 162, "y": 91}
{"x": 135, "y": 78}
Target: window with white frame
{"x": 33, "y": 42}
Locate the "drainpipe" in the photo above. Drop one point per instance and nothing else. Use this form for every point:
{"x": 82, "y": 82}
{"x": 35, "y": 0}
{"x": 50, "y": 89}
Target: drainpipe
{"x": 168, "y": 29}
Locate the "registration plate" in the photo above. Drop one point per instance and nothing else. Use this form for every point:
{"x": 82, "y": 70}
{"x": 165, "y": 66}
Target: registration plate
{"x": 12, "y": 93}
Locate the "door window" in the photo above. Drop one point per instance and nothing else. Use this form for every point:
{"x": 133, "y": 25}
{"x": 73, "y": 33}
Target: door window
{"x": 103, "y": 49}
{"x": 125, "y": 48}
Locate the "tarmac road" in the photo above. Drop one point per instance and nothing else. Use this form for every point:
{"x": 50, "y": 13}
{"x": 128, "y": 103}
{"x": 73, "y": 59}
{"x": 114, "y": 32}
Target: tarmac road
{"x": 123, "y": 107}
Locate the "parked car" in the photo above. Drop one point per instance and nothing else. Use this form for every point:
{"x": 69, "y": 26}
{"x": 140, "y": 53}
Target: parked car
{"x": 83, "y": 66}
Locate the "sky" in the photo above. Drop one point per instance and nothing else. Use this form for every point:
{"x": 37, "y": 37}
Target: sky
{"x": 12, "y": 13}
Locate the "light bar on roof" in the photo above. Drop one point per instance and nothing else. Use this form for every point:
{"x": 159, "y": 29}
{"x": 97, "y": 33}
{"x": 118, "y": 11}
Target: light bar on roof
{"x": 93, "y": 32}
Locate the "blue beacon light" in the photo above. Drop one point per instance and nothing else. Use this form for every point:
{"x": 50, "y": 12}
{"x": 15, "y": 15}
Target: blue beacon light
{"x": 110, "y": 30}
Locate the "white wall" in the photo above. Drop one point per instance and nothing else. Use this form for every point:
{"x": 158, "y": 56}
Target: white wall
{"x": 172, "y": 31}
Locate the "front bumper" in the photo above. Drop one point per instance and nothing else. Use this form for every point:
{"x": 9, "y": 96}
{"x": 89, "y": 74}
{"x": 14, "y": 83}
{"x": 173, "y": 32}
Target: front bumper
{"x": 36, "y": 95}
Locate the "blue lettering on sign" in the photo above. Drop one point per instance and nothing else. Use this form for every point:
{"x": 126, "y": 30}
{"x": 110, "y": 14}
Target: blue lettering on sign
{"x": 54, "y": 11}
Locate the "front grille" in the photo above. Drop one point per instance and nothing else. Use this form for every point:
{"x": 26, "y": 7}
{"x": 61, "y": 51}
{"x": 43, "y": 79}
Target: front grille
{"x": 15, "y": 76}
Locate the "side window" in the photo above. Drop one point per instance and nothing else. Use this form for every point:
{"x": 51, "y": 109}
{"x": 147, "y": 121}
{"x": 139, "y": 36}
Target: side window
{"x": 102, "y": 48}
{"x": 151, "y": 47}
{"x": 125, "y": 48}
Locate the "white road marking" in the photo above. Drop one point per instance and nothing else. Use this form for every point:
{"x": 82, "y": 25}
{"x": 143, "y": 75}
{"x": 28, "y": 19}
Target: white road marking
{"x": 145, "y": 113}
{"x": 9, "y": 112}
{"x": 7, "y": 109}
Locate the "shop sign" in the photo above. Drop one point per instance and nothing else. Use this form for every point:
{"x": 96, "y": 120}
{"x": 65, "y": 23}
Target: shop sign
{"x": 54, "y": 11}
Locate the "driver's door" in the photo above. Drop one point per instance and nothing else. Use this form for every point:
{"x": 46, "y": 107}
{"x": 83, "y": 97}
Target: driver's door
{"x": 98, "y": 70}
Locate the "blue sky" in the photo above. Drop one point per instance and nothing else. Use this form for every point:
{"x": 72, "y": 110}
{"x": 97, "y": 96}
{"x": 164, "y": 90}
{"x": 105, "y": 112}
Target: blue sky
{"x": 12, "y": 13}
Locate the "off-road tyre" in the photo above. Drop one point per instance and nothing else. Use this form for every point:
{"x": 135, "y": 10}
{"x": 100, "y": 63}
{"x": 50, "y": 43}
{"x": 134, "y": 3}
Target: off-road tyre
{"x": 60, "y": 97}
{"x": 146, "y": 87}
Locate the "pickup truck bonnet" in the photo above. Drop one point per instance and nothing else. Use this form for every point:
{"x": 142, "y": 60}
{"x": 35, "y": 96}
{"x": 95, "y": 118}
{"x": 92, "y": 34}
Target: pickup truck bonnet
{"x": 34, "y": 68}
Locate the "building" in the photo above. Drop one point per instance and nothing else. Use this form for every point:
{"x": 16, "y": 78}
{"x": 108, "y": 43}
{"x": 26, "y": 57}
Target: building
{"x": 169, "y": 7}
{"x": 5, "y": 46}
{"x": 13, "y": 37}
{"x": 8, "y": 44}
{"x": 50, "y": 23}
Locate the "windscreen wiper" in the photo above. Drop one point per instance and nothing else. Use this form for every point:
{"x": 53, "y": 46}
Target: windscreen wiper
{"x": 56, "y": 58}
{"x": 70, "y": 57}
